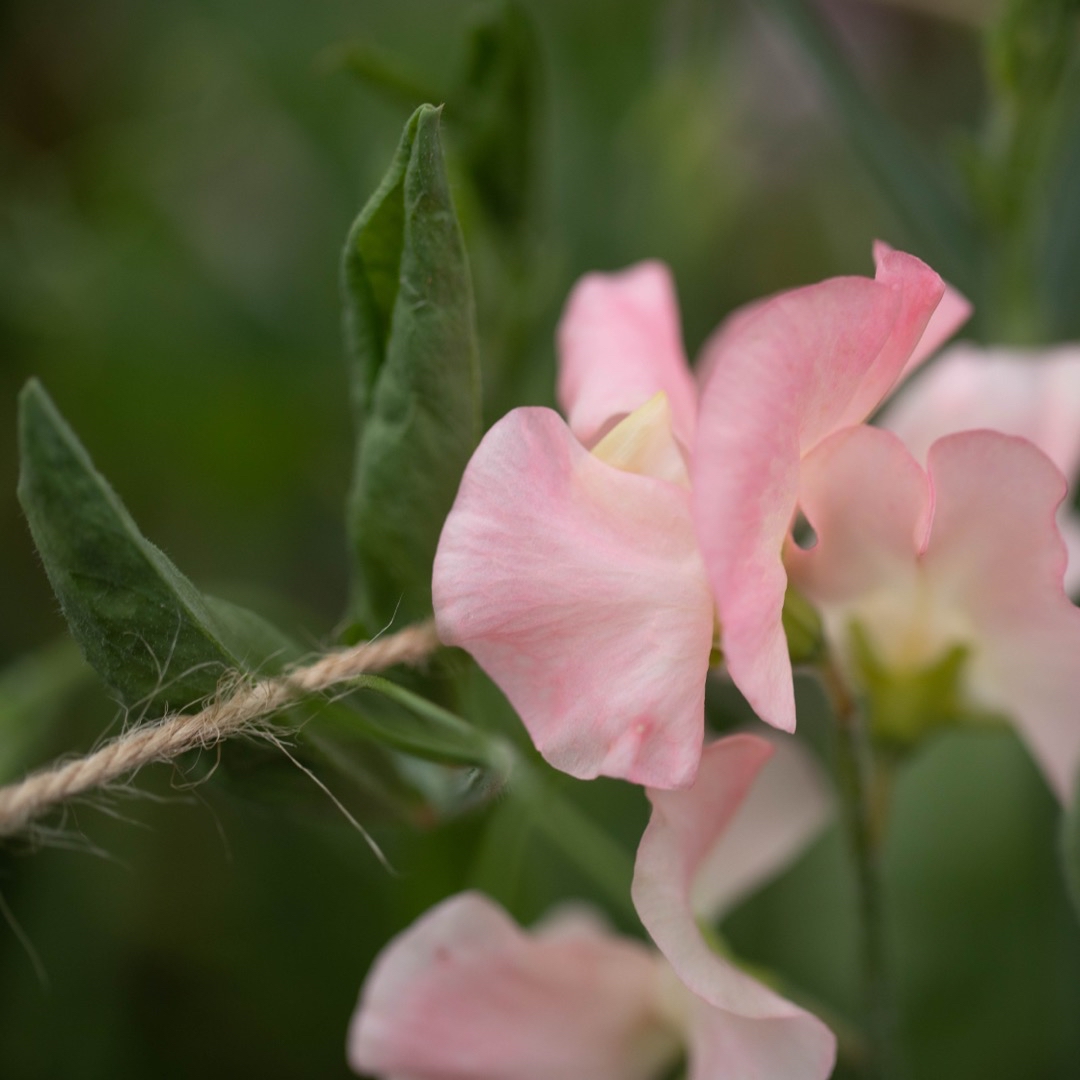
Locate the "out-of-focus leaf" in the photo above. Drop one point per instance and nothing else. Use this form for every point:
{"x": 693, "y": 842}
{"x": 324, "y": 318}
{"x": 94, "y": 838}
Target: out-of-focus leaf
{"x": 1070, "y": 847}
{"x": 1030, "y": 44}
{"x": 297, "y": 768}
{"x": 424, "y": 729}
{"x": 32, "y": 690}
{"x": 576, "y": 835}
{"x": 143, "y": 627}
{"x": 261, "y": 647}
{"x": 1022, "y": 174}
{"x": 938, "y": 221}
{"x": 501, "y": 856}
{"x": 496, "y": 109}
{"x": 411, "y": 344}
{"x": 383, "y": 70}
{"x": 802, "y": 628}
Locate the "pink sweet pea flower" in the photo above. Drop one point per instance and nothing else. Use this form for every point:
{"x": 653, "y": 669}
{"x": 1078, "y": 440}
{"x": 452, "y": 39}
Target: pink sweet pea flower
{"x": 1035, "y": 394}
{"x": 963, "y": 553}
{"x": 464, "y": 994}
{"x": 569, "y": 567}
{"x": 781, "y": 376}
{"x": 754, "y": 805}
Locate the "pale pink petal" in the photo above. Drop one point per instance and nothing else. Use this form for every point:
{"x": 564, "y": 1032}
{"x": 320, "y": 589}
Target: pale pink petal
{"x": 750, "y": 1031}
{"x": 464, "y": 994}
{"x": 796, "y": 1046}
{"x": 619, "y": 344}
{"x": 996, "y": 552}
{"x": 579, "y": 589}
{"x": 952, "y": 311}
{"x": 781, "y": 382}
{"x": 643, "y": 443}
{"x": 919, "y": 291}
{"x": 969, "y": 555}
{"x": 869, "y": 504}
{"x": 784, "y": 810}
{"x": 1033, "y": 394}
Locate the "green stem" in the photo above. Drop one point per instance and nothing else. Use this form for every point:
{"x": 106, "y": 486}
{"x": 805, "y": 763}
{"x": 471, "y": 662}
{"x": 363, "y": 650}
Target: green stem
{"x": 862, "y": 803}
{"x": 579, "y": 838}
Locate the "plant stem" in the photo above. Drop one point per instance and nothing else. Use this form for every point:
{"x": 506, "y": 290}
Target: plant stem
{"x": 862, "y": 803}
{"x": 573, "y": 832}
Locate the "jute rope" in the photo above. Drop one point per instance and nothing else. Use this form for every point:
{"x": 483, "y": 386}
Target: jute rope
{"x": 234, "y": 713}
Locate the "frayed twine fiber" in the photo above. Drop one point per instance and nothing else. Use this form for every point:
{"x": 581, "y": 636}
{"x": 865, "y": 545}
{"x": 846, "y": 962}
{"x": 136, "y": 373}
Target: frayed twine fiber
{"x": 235, "y": 712}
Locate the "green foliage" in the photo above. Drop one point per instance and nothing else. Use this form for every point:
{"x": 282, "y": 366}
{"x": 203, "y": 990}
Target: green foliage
{"x": 1029, "y": 47}
{"x": 498, "y": 106}
{"x": 411, "y": 344}
{"x": 938, "y": 221}
{"x": 1070, "y": 846}
{"x": 903, "y": 707}
{"x": 32, "y": 693}
{"x": 434, "y": 733}
{"x": 143, "y": 627}
{"x": 802, "y": 628}
{"x": 1030, "y": 52}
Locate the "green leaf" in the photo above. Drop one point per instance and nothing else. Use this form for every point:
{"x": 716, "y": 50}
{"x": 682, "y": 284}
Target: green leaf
{"x": 143, "y": 627}
{"x": 576, "y": 835}
{"x": 32, "y": 691}
{"x": 382, "y": 70}
{"x": 260, "y": 646}
{"x": 496, "y": 110}
{"x": 424, "y": 729}
{"x": 411, "y": 344}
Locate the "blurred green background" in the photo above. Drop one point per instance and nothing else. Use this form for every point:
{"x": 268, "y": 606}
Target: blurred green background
{"x": 176, "y": 182}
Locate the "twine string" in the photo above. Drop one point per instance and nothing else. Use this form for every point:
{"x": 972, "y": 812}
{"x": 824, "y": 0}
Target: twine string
{"x": 235, "y": 712}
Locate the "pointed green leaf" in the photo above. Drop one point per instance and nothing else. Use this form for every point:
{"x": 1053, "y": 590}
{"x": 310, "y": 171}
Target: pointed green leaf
{"x": 424, "y": 729}
{"x": 411, "y": 344}
{"x": 141, "y": 624}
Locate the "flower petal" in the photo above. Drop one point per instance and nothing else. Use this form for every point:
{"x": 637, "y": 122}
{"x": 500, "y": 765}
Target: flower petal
{"x": 786, "y": 807}
{"x": 619, "y": 344}
{"x": 869, "y": 504}
{"x": 579, "y": 589}
{"x": 918, "y": 290}
{"x": 643, "y": 443}
{"x": 782, "y": 380}
{"x": 950, "y": 313}
{"x": 749, "y": 1031}
{"x": 463, "y": 994}
{"x": 790, "y": 1047}
{"x": 996, "y": 550}
{"x": 1036, "y": 395}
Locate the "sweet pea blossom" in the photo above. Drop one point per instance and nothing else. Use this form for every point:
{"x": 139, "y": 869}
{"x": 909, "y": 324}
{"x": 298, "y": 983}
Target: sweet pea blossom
{"x": 780, "y": 377}
{"x": 580, "y": 570}
{"x": 464, "y": 994}
{"x": 569, "y": 567}
{"x": 964, "y": 553}
{"x": 1035, "y": 394}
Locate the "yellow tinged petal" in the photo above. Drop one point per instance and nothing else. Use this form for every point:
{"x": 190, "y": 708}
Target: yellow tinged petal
{"x": 644, "y": 443}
